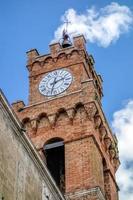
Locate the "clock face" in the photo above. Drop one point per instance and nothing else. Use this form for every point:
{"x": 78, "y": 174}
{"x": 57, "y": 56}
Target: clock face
{"x": 55, "y": 82}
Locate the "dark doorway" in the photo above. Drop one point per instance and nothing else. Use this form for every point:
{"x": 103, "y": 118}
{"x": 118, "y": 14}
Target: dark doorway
{"x": 55, "y": 159}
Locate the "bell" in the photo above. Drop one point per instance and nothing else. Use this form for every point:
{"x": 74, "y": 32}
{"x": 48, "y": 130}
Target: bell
{"x": 66, "y": 40}
{"x": 66, "y": 44}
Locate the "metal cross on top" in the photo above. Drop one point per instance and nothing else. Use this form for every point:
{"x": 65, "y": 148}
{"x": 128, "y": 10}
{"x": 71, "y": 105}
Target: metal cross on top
{"x": 66, "y": 22}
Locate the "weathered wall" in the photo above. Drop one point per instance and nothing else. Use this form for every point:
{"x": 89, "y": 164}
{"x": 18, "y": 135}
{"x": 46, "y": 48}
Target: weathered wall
{"x": 20, "y": 177}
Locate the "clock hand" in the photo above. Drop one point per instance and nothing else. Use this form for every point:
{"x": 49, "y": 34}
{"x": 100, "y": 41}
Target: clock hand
{"x": 53, "y": 85}
{"x": 54, "y": 82}
{"x": 59, "y": 80}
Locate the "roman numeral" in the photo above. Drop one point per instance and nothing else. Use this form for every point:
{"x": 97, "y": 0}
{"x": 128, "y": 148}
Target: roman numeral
{"x": 66, "y": 83}
{"x": 67, "y": 79}
{"x": 43, "y": 89}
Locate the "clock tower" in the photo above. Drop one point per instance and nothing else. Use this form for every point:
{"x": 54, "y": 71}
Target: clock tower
{"x": 66, "y": 123}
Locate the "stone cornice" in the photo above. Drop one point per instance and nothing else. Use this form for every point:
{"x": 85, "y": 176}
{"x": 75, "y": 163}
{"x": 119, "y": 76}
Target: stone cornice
{"x": 52, "y": 99}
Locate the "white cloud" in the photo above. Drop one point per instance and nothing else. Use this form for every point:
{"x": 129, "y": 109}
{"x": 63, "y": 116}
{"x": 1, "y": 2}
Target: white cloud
{"x": 123, "y": 126}
{"x": 102, "y": 27}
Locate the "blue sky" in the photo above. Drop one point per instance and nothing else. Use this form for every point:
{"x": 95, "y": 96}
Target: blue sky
{"x": 31, "y": 24}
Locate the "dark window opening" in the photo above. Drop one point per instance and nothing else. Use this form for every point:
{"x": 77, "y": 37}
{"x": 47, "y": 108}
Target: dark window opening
{"x": 54, "y": 152}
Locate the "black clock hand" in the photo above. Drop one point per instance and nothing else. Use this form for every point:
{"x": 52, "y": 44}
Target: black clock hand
{"x": 54, "y": 82}
{"x": 59, "y": 80}
{"x": 53, "y": 85}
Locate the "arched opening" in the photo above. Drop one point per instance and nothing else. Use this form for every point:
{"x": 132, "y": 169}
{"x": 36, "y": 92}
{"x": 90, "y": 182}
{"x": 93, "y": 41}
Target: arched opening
{"x": 55, "y": 159}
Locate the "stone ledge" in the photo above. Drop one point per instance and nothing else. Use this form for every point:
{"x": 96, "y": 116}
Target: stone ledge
{"x": 87, "y": 194}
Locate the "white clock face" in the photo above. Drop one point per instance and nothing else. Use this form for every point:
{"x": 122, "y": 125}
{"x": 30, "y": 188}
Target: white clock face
{"x": 55, "y": 82}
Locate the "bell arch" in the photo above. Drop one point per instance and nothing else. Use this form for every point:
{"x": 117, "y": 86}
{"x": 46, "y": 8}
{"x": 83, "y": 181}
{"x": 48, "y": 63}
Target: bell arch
{"x": 54, "y": 152}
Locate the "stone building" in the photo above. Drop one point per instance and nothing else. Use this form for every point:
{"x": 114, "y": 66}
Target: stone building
{"x": 23, "y": 175}
{"x": 65, "y": 121}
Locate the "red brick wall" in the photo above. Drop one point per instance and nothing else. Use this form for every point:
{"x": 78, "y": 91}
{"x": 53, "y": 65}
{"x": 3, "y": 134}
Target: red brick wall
{"x": 84, "y": 168}
{"x": 110, "y": 186}
{"x": 75, "y": 116}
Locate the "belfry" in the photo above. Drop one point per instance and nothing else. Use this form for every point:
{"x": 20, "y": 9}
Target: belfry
{"x": 65, "y": 121}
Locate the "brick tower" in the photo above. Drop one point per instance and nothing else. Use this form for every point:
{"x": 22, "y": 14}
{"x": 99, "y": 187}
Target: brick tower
{"x": 66, "y": 123}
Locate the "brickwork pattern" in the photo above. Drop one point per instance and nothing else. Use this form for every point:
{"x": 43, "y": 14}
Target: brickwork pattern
{"x": 76, "y": 116}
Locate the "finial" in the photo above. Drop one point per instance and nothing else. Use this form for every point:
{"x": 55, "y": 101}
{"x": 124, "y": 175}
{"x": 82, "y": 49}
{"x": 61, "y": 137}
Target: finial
{"x": 66, "y": 39}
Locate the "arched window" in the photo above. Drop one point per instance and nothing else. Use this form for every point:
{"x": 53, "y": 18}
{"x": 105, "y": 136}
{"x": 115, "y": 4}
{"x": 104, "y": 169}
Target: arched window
{"x": 55, "y": 159}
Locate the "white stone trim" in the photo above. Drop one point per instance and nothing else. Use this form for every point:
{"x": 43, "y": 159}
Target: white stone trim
{"x": 86, "y": 193}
